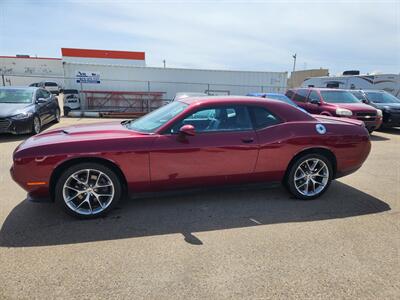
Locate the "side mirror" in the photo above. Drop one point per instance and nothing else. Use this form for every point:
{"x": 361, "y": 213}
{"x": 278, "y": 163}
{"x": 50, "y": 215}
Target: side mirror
{"x": 315, "y": 101}
{"x": 365, "y": 101}
{"x": 40, "y": 100}
{"x": 187, "y": 130}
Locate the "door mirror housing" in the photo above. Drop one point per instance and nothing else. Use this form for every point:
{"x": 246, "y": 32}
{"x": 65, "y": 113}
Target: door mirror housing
{"x": 365, "y": 101}
{"x": 187, "y": 130}
{"x": 41, "y": 100}
{"x": 315, "y": 101}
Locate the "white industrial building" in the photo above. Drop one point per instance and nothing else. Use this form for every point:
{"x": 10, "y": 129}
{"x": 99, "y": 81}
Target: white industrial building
{"x": 116, "y": 78}
{"x": 24, "y": 70}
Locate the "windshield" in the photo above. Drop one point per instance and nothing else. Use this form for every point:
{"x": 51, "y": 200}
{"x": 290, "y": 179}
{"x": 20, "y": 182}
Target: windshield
{"x": 382, "y": 97}
{"x": 154, "y": 120}
{"x": 358, "y": 95}
{"x": 15, "y": 96}
{"x": 339, "y": 97}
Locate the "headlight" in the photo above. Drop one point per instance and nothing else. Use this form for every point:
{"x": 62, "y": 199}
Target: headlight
{"x": 343, "y": 112}
{"x": 379, "y": 113}
{"x": 22, "y": 116}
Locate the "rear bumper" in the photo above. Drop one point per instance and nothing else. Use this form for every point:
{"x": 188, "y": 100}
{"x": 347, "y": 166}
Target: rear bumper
{"x": 9, "y": 125}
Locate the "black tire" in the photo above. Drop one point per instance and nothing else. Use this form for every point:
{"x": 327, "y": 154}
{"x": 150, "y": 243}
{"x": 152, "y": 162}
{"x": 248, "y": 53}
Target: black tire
{"x": 36, "y": 129}
{"x": 66, "y": 111}
{"x": 117, "y": 188}
{"x": 290, "y": 179}
{"x": 57, "y": 116}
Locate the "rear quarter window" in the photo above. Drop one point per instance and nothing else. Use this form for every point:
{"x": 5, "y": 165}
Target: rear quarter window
{"x": 262, "y": 117}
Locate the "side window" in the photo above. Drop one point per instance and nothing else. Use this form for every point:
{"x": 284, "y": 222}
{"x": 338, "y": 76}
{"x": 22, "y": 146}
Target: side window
{"x": 262, "y": 118}
{"x": 46, "y": 94}
{"x": 314, "y": 96}
{"x": 39, "y": 94}
{"x": 235, "y": 118}
{"x": 301, "y": 95}
{"x": 289, "y": 94}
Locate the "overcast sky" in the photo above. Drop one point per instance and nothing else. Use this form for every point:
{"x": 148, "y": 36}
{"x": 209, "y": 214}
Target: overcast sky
{"x": 233, "y": 35}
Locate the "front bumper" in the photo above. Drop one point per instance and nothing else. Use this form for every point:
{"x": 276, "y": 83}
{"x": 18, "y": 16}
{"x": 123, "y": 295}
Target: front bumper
{"x": 372, "y": 124}
{"x": 391, "y": 119}
{"x": 9, "y": 125}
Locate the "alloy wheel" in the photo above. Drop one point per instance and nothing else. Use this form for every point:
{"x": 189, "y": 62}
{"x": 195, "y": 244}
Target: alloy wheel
{"x": 36, "y": 125}
{"x": 88, "y": 192}
{"x": 311, "y": 177}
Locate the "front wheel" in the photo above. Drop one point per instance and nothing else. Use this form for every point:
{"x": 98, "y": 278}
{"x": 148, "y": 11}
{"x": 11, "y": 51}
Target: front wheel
{"x": 88, "y": 190}
{"x": 310, "y": 176}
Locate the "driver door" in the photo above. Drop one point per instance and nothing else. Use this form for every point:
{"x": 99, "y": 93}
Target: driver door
{"x": 223, "y": 150}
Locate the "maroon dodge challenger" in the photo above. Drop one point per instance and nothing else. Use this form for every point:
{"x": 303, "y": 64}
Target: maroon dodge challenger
{"x": 204, "y": 141}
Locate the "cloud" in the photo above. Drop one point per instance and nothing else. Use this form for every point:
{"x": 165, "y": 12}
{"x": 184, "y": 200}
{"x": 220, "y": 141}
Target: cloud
{"x": 255, "y": 35}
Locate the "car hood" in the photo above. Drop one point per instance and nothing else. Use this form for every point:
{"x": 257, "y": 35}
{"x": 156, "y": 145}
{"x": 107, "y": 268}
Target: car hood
{"x": 356, "y": 106}
{"x": 12, "y": 109}
{"x": 390, "y": 105}
{"x": 80, "y": 133}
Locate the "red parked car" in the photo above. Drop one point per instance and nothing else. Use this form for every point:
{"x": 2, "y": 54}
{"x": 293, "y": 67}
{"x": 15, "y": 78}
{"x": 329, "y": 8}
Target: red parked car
{"x": 338, "y": 103}
{"x": 192, "y": 142}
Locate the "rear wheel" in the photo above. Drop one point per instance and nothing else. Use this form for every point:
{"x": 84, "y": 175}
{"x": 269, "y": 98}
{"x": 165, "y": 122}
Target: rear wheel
{"x": 88, "y": 190}
{"x": 57, "y": 115}
{"x": 36, "y": 125}
{"x": 310, "y": 176}
{"x": 66, "y": 111}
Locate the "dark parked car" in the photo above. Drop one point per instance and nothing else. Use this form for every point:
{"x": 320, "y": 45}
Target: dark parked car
{"x": 386, "y": 102}
{"x": 337, "y": 103}
{"x": 204, "y": 141}
{"x": 26, "y": 109}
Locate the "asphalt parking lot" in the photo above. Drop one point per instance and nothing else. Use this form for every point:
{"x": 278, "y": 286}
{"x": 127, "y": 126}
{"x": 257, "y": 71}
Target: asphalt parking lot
{"x": 245, "y": 243}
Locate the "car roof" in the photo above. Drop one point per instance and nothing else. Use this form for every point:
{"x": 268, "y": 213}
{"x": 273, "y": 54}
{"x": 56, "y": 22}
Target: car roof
{"x": 33, "y": 88}
{"x": 318, "y": 89}
{"x": 265, "y": 94}
{"x": 284, "y": 110}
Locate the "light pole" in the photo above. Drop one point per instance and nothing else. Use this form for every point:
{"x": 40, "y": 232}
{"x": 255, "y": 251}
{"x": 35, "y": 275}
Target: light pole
{"x": 164, "y": 62}
{"x": 294, "y": 68}
{"x": 294, "y": 61}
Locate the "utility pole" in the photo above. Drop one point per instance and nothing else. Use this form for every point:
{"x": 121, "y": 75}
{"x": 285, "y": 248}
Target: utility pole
{"x": 294, "y": 61}
{"x": 164, "y": 62}
{"x": 294, "y": 69}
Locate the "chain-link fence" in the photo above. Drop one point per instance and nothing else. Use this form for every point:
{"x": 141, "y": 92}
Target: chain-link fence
{"x": 133, "y": 95}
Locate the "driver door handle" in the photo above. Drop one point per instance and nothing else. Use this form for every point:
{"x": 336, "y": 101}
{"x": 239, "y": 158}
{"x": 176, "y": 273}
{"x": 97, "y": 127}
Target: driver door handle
{"x": 247, "y": 140}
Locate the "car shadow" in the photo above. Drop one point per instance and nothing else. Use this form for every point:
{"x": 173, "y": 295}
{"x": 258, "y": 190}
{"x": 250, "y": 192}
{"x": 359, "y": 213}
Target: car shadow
{"x": 8, "y": 137}
{"x": 41, "y": 224}
{"x": 378, "y": 138}
{"x": 393, "y": 130}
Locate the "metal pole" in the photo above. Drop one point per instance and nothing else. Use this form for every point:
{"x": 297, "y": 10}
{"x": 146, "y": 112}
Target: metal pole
{"x": 148, "y": 99}
{"x": 2, "y": 77}
{"x": 294, "y": 69}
